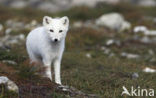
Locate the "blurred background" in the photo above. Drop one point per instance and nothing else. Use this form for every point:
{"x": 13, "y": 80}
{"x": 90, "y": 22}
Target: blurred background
{"x": 110, "y": 44}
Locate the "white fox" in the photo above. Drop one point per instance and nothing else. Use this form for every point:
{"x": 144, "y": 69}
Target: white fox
{"x": 46, "y": 44}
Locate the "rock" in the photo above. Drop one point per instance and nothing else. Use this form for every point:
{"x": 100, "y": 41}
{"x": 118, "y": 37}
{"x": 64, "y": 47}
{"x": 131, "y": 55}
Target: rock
{"x": 154, "y": 20}
{"x": 5, "y": 2}
{"x": 33, "y": 24}
{"x": 113, "y": 21}
{"x": 149, "y": 70}
{"x": 125, "y": 26}
{"x": 112, "y": 41}
{"x": 103, "y": 48}
{"x": 111, "y": 55}
{"x": 143, "y": 2}
{"x": 60, "y": 5}
{"x": 90, "y": 3}
{"x": 34, "y": 3}
{"x": 90, "y": 24}
{"x": 87, "y": 24}
{"x": 54, "y": 5}
{"x": 15, "y": 39}
{"x": 14, "y": 25}
{"x": 9, "y": 84}
{"x": 135, "y": 75}
{"x": 8, "y": 31}
{"x": 9, "y": 61}
{"x": 150, "y": 32}
{"x": 113, "y": 1}
{"x": 64, "y": 3}
{"x": 147, "y": 2}
{"x": 144, "y": 30}
{"x": 88, "y": 55}
{"x": 49, "y": 7}
{"x": 106, "y": 50}
{"x": 130, "y": 55}
{"x": 18, "y": 4}
{"x": 21, "y": 37}
{"x": 77, "y": 24}
{"x": 10, "y": 40}
{"x": 151, "y": 52}
{"x": 146, "y": 40}
{"x": 140, "y": 29}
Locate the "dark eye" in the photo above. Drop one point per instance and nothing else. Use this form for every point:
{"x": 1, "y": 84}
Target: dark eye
{"x": 51, "y": 30}
{"x": 60, "y": 31}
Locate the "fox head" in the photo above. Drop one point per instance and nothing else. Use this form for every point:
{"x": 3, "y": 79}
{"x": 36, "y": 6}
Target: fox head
{"x": 56, "y": 27}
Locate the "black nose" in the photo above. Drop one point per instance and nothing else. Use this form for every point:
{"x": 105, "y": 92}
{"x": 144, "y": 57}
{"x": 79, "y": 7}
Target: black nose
{"x": 55, "y": 40}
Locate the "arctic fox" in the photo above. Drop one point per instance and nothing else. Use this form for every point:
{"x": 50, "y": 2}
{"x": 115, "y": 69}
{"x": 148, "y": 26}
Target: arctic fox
{"x": 46, "y": 44}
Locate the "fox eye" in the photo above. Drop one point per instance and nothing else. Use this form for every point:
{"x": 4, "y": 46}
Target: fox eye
{"x": 51, "y": 30}
{"x": 60, "y": 31}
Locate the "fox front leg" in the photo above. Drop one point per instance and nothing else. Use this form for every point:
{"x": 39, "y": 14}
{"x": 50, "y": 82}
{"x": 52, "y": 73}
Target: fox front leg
{"x": 57, "y": 67}
{"x": 47, "y": 64}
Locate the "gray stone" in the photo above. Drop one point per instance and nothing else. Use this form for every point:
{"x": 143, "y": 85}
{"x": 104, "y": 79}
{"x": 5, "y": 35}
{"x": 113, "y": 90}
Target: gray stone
{"x": 78, "y": 24}
{"x": 129, "y": 55}
{"x": 149, "y": 70}
{"x": 53, "y": 5}
{"x": 112, "y": 41}
{"x": 113, "y": 21}
{"x": 9, "y": 61}
{"x": 88, "y": 55}
{"x": 9, "y": 84}
{"x": 147, "y": 2}
{"x": 49, "y": 7}
{"x": 59, "y": 5}
{"x": 18, "y": 4}
{"x": 10, "y": 40}
{"x": 14, "y": 25}
{"x": 135, "y": 75}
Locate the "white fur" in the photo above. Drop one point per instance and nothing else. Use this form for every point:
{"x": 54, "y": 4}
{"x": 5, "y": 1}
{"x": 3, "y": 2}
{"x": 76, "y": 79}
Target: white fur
{"x": 41, "y": 45}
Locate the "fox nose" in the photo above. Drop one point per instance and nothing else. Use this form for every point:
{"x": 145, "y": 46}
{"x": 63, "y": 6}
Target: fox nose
{"x": 55, "y": 40}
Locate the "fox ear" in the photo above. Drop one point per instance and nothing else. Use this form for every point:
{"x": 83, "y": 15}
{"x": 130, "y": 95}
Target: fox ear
{"x": 47, "y": 20}
{"x": 65, "y": 20}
